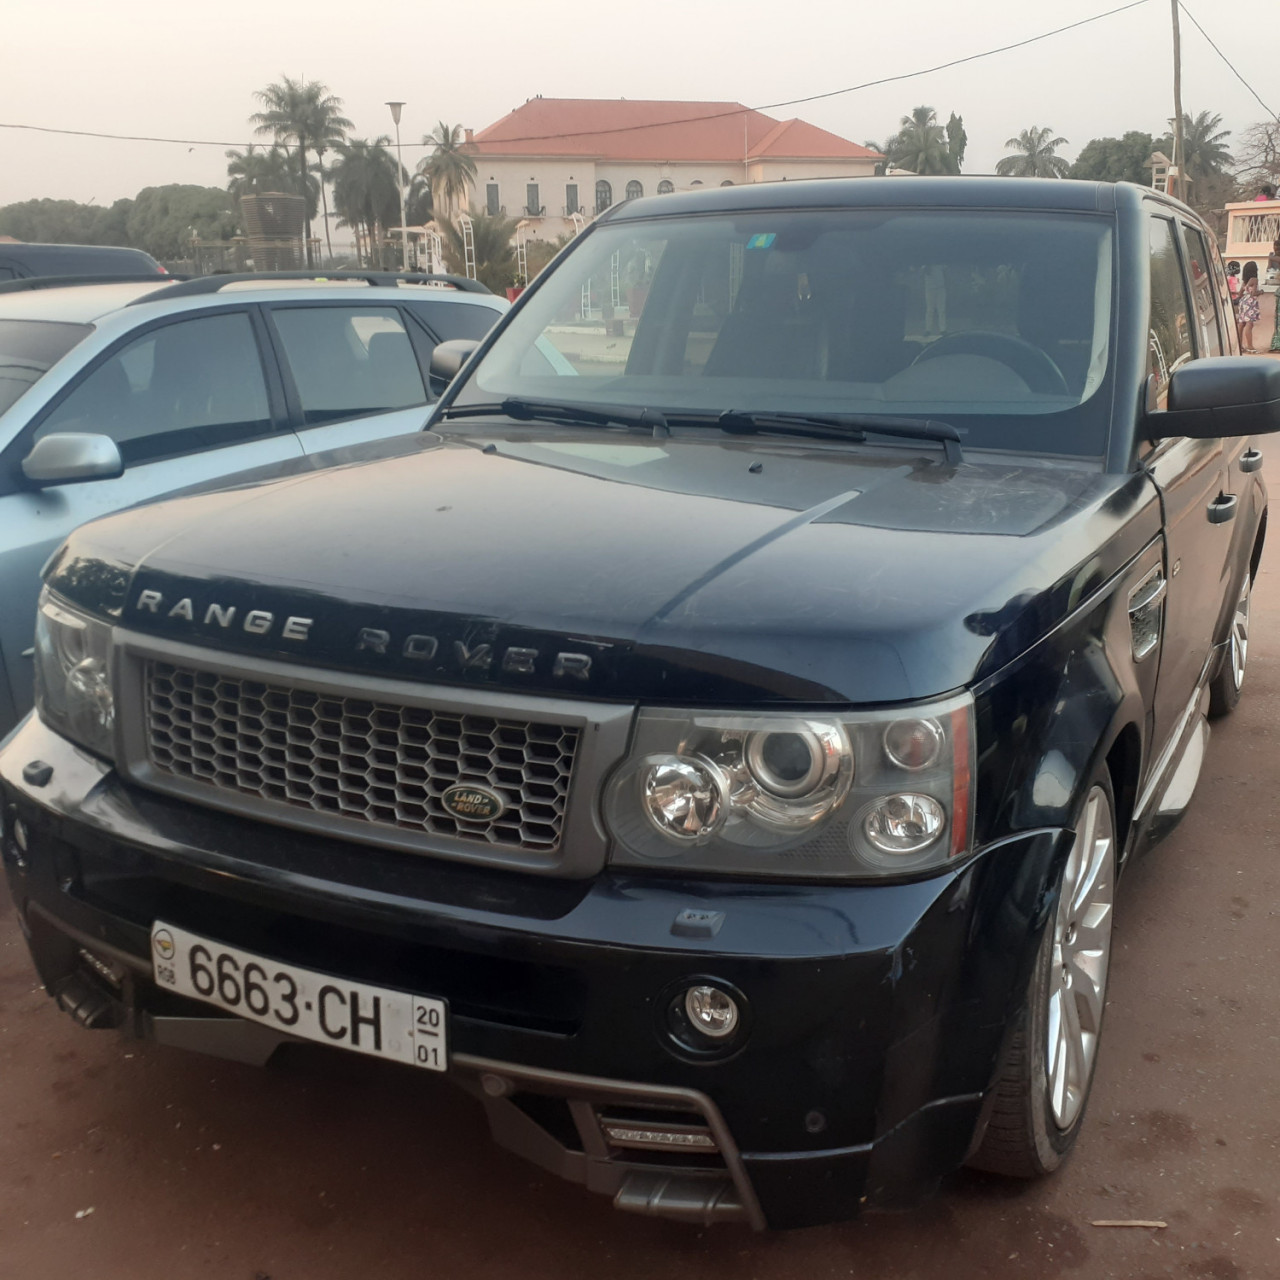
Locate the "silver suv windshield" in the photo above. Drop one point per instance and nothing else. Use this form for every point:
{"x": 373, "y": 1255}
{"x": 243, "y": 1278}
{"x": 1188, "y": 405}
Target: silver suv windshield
{"x": 997, "y": 322}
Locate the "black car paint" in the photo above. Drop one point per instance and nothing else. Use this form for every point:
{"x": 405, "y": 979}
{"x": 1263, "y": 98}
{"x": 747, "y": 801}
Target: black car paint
{"x": 23, "y": 261}
{"x": 1010, "y": 576}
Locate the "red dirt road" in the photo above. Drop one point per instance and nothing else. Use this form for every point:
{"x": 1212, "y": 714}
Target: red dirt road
{"x": 121, "y": 1160}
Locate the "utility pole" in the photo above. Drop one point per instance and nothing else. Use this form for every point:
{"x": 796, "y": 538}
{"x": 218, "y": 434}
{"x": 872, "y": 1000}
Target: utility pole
{"x": 1179, "y": 182}
{"x": 396, "y": 108}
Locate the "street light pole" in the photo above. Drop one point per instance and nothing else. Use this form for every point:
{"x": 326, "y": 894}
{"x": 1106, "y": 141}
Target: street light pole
{"x": 404, "y": 229}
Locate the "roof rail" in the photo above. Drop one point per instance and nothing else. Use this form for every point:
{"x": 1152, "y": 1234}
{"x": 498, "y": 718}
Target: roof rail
{"x": 385, "y": 279}
{"x": 64, "y": 282}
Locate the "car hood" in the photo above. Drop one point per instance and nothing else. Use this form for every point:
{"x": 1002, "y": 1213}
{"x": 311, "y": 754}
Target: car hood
{"x": 612, "y": 566}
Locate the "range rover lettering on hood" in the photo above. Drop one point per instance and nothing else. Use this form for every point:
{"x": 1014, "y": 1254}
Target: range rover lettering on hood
{"x": 514, "y": 659}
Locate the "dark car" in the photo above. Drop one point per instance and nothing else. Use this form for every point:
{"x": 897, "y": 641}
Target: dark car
{"x": 21, "y": 261}
{"x": 717, "y": 750}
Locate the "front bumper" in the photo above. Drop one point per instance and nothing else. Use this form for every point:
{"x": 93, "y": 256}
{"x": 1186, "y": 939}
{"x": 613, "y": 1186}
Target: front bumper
{"x": 875, "y": 1013}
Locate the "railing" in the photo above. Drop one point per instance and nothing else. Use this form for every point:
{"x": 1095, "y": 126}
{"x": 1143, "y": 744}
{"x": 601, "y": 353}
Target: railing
{"x": 535, "y": 211}
{"x": 495, "y": 211}
{"x": 569, "y": 210}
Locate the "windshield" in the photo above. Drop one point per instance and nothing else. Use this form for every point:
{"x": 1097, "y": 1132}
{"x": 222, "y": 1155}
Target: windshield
{"x": 996, "y": 322}
{"x": 28, "y": 349}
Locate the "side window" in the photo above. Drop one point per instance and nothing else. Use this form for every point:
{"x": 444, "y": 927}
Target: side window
{"x": 1169, "y": 332}
{"x": 1208, "y": 337}
{"x": 456, "y": 320}
{"x": 196, "y": 384}
{"x": 349, "y": 361}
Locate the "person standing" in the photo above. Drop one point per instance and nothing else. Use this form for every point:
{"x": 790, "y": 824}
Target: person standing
{"x": 1249, "y": 314}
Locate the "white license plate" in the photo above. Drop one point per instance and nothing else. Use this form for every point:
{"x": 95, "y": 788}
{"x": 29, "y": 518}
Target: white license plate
{"x": 314, "y": 1006}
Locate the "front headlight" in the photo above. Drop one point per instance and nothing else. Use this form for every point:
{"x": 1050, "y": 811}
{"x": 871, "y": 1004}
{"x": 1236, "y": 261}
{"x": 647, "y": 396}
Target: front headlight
{"x": 73, "y": 674}
{"x": 848, "y": 795}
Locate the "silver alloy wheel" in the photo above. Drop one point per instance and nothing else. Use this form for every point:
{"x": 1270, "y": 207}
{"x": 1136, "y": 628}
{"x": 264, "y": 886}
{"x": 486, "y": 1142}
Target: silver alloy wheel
{"x": 1240, "y": 634}
{"x": 1081, "y": 952}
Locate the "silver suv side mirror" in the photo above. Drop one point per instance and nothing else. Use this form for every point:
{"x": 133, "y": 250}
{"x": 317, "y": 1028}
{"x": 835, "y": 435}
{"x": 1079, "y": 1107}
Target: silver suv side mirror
{"x": 69, "y": 456}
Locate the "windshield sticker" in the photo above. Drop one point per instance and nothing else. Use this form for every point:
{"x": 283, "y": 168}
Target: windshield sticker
{"x": 762, "y": 241}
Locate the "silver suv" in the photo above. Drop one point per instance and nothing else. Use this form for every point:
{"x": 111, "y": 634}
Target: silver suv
{"x": 121, "y": 393}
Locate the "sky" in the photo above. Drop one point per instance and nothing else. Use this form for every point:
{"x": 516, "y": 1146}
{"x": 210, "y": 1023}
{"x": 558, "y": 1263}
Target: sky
{"x": 182, "y": 71}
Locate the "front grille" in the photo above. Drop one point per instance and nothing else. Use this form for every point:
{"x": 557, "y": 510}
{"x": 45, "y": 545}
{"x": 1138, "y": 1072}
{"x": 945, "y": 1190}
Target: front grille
{"x": 377, "y": 762}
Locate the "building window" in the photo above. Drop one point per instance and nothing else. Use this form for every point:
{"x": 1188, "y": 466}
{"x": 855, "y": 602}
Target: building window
{"x": 532, "y": 203}
{"x": 571, "y": 198}
{"x": 491, "y": 199}
{"x": 604, "y": 196}
{"x": 728, "y": 182}
{"x": 666, "y": 187}
{"x": 634, "y": 190}
{"x": 697, "y": 182}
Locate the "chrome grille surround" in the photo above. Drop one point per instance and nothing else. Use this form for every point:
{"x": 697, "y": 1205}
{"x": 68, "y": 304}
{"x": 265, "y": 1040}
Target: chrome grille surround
{"x": 368, "y": 759}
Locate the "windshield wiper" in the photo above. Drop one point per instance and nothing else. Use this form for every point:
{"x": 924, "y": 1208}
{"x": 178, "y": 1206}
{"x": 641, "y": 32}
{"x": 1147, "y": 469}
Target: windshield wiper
{"x": 842, "y": 426}
{"x": 587, "y": 415}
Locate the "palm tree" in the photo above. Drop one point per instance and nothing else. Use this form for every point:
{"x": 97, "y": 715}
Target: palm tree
{"x": 1036, "y": 156}
{"x": 449, "y": 168}
{"x": 921, "y": 144}
{"x": 253, "y": 171}
{"x": 306, "y": 112}
{"x": 495, "y": 253}
{"x": 366, "y": 192}
{"x": 417, "y": 199}
{"x": 1204, "y": 151}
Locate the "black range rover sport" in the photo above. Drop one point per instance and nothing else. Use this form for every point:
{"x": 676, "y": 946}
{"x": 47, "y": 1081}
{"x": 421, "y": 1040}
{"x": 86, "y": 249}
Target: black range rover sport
{"x": 716, "y": 740}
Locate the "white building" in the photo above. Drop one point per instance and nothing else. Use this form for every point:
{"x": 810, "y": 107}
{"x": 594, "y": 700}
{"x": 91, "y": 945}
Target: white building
{"x": 554, "y": 157}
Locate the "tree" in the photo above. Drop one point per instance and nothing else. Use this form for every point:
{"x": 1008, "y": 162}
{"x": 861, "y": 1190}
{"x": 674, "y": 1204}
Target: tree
{"x": 922, "y": 145}
{"x": 366, "y": 194}
{"x": 419, "y": 208}
{"x": 1204, "y": 150}
{"x": 449, "y": 168}
{"x": 162, "y": 220}
{"x": 957, "y": 139}
{"x": 495, "y": 253}
{"x": 538, "y": 253}
{"x": 1036, "y": 156}
{"x": 1258, "y": 155}
{"x": 306, "y": 112}
{"x": 1115, "y": 159}
{"x": 66, "y": 222}
{"x": 254, "y": 171}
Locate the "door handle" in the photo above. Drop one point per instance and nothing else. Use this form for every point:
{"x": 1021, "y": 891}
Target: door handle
{"x": 1251, "y": 461}
{"x": 1223, "y": 508}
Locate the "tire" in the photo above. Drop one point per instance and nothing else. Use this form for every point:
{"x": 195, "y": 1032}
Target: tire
{"x": 1043, "y": 1089}
{"x": 1224, "y": 688}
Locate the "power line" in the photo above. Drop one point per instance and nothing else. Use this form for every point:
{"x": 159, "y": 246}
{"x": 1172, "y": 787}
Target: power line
{"x": 1227, "y": 60}
{"x": 591, "y": 133}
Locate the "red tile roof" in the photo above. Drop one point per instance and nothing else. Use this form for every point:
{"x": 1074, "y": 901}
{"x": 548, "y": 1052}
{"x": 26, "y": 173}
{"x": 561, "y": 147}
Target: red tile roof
{"x": 627, "y": 129}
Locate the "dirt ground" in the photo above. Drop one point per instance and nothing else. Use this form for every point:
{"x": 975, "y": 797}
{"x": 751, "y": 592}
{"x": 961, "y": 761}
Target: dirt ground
{"x": 120, "y": 1160}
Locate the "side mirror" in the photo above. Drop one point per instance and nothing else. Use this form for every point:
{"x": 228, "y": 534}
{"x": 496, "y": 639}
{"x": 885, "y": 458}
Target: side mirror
{"x": 1220, "y": 396}
{"x": 70, "y": 456}
{"x": 447, "y": 359}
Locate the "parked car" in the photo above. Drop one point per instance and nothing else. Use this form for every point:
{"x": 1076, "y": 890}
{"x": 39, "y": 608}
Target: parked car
{"x": 114, "y": 394}
{"x": 720, "y": 761}
{"x": 21, "y": 261}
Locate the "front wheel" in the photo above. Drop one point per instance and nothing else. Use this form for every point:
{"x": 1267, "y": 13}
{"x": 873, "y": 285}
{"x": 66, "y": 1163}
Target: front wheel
{"x": 1049, "y": 1066}
{"x": 1224, "y": 688}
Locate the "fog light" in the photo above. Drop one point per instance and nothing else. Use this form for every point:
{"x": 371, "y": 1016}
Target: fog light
{"x": 904, "y": 824}
{"x": 711, "y": 1011}
{"x": 685, "y": 797}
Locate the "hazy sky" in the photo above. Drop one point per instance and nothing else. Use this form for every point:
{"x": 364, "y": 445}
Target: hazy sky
{"x": 189, "y": 71}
